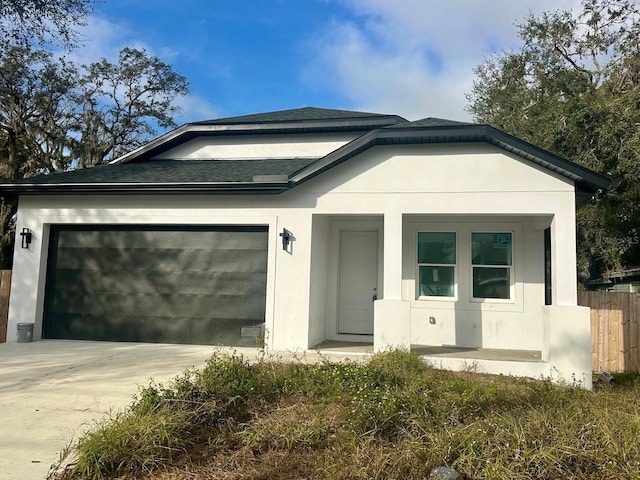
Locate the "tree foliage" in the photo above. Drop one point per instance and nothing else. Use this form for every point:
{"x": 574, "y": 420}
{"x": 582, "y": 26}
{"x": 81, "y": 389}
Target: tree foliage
{"x": 574, "y": 89}
{"x": 36, "y": 109}
{"x": 119, "y": 103}
{"x": 24, "y": 22}
{"x": 55, "y": 116}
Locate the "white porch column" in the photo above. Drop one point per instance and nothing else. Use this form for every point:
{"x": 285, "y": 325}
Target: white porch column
{"x": 392, "y": 257}
{"x": 392, "y": 316}
{"x": 564, "y": 283}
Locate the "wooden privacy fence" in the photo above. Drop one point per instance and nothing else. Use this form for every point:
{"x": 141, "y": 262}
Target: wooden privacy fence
{"x": 615, "y": 330}
{"x": 5, "y": 289}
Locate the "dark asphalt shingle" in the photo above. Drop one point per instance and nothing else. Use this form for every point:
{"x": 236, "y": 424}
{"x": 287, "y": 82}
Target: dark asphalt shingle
{"x": 175, "y": 171}
{"x": 432, "y": 122}
{"x": 294, "y": 115}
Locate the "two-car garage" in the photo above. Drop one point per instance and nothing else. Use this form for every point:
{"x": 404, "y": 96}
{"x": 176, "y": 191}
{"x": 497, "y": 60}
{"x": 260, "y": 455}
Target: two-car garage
{"x": 156, "y": 283}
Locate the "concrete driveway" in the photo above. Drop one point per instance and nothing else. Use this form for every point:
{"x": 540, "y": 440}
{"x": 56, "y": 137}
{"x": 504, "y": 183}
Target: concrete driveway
{"x": 52, "y": 390}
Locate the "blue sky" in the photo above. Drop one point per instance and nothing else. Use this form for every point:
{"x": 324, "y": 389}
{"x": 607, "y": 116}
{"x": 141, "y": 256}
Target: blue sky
{"x": 409, "y": 57}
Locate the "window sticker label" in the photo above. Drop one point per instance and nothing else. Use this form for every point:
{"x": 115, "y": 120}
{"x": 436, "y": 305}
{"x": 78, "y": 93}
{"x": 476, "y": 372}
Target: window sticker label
{"x": 501, "y": 240}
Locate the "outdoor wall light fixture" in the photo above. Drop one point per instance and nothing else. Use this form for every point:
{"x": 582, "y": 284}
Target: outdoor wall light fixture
{"x": 287, "y": 238}
{"x": 27, "y": 236}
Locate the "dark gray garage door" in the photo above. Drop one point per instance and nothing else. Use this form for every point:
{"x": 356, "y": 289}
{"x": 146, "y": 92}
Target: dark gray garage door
{"x": 156, "y": 284}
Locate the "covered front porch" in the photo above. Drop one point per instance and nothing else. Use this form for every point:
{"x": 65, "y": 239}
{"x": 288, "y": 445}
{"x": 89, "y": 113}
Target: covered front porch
{"x": 494, "y": 297}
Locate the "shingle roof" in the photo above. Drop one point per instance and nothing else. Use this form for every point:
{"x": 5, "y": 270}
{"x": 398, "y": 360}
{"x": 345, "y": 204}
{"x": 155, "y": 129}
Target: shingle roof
{"x": 175, "y": 171}
{"x": 430, "y": 122}
{"x": 303, "y": 114}
{"x": 137, "y": 172}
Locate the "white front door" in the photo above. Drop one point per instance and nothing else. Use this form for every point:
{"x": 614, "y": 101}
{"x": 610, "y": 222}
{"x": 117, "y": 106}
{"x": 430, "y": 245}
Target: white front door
{"x": 358, "y": 280}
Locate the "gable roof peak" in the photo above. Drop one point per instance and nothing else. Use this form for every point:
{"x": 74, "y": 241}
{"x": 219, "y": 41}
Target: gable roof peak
{"x": 302, "y": 114}
{"x": 297, "y": 120}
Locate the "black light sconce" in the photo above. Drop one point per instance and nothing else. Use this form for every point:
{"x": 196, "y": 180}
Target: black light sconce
{"x": 287, "y": 238}
{"x": 27, "y": 236}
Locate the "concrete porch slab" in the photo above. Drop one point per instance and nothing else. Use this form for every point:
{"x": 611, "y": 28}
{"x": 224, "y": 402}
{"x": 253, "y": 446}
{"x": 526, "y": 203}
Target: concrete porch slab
{"x": 344, "y": 348}
{"x": 519, "y": 363}
{"x": 495, "y": 354}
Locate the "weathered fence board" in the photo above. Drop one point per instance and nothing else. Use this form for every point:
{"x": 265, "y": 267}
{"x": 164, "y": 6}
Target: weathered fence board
{"x": 615, "y": 330}
{"x": 5, "y": 289}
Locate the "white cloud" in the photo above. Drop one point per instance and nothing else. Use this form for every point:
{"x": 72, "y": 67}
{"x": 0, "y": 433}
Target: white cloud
{"x": 195, "y": 108}
{"x": 104, "y": 39}
{"x": 414, "y": 57}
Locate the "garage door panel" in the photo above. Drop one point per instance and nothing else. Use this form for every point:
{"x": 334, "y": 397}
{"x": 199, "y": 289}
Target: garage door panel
{"x": 190, "y": 282}
{"x": 175, "y": 305}
{"x": 197, "y": 285}
{"x": 161, "y": 260}
{"x": 192, "y": 239}
{"x": 211, "y": 331}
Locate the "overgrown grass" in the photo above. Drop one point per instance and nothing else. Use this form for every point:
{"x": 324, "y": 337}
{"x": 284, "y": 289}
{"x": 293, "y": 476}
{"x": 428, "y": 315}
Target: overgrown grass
{"x": 392, "y": 417}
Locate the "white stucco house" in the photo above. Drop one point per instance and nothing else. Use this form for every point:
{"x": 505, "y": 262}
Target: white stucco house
{"x": 311, "y": 227}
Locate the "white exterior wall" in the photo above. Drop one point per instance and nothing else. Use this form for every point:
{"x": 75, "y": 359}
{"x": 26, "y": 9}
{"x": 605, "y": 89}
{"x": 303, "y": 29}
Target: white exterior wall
{"x": 258, "y": 146}
{"x": 402, "y": 186}
{"x": 320, "y": 279}
{"x": 463, "y": 321}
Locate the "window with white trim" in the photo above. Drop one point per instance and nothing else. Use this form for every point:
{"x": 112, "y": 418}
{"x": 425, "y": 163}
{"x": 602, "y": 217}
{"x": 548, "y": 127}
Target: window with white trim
{"x": 492, "y": 265}
{"x": 437, "y": 258}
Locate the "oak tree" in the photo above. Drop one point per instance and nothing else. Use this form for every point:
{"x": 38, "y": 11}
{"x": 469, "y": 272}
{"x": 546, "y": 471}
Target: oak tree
{"x": 56, "y": 116}
{"x": 41, "y": 22}
{"x": 573, "y": 88}
{"x": 122, "y": 104}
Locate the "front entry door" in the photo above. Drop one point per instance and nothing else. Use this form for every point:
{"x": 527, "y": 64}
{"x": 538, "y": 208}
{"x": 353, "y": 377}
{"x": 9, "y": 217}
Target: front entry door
{"x": 358, "y": 280}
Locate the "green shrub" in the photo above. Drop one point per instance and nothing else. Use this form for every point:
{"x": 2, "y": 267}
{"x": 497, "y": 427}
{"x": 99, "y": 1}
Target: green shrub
{"x": 129, "y": 443}
{"x": 391, "y": 417}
